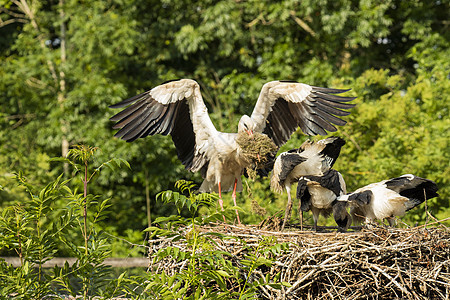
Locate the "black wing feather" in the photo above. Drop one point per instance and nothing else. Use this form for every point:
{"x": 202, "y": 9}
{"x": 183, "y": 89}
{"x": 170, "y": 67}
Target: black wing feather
{"x": 316, "y": 115}
{"x": 329, "y": 90}
{"x": 288, "y": 162}
{"x": 333, "y": 149}
{"x": 329, "y": 180}
{"x": 303, "y": 195}
{"x": 125, "y": 102}
{"x": 417, "y": 188}
{"x": 328, "y": 108}
{"x": 146, "y": 116}
{"x": 183, "y": 135}
{"x": 361, "y": 198}
{"x": 129, "y": 110}
{"x": 333, "y": 103}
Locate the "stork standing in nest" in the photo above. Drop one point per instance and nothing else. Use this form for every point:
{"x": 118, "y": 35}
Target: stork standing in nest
{"x": 311, "y": 159}
{"x": 389, "y": 198}
{"x": 319, "y": 194}
{"x": 177, "y": 108}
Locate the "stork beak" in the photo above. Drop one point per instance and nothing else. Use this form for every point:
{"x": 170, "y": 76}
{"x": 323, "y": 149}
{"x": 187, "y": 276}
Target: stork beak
{"x": 249, "y": 132}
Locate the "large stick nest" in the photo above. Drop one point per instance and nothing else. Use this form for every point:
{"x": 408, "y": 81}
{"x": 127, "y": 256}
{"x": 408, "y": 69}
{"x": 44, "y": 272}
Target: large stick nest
{"x": 380, "y": 263}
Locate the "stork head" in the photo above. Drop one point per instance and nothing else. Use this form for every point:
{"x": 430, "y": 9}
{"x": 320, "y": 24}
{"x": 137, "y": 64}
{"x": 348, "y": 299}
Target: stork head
{"x": 341, "y": 216}
{"x": 246, "y": 125}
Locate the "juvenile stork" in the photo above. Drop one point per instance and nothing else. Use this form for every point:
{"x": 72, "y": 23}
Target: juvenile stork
{"x": 389, "y": 198}
{"x": 312, "y": 158}
{"x": 319, "y": 194}
{"x": 177, "y": 108}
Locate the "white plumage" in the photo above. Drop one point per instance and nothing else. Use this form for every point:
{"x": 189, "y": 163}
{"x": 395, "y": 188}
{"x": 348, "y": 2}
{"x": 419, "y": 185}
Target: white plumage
{"x": 311, "y": 159}
{"x": 319, "y": 194}
{"x": 389, "y": 198}
{"x": 177, "y": 108}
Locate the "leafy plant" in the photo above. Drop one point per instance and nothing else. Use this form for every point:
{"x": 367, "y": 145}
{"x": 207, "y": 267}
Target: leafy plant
{"x": 28, "y": 232}
{"x": 210, "y": 273}
{"x": 34, "y": 231}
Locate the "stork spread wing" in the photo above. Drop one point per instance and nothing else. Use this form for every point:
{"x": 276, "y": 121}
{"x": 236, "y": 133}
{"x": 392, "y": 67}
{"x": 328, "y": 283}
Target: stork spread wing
{"x": 411, "y": 186}
{"x": 330, "y": 180}
{"x": 288, "y": 162}
{"x": 174, "y": 108}
{"x": 332, "y": 149}
{"x": 283, "y": 106}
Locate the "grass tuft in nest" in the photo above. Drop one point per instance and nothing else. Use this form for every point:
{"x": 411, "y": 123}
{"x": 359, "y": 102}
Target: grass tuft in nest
{"x": 256, "y": 149}
{"x": 258, "y": 209}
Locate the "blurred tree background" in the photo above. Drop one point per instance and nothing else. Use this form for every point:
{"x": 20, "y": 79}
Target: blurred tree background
{"x": 63, "y": 62}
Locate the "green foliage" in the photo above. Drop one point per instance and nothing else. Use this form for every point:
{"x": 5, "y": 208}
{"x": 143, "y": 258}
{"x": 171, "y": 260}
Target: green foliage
{"x": 26, "y": 230}
{"x": 62, "y": 63}
{"x": 192, "y": 201}
{"x": 36, "y": 228}
{"x": 210, "y": 273}
{"x": 399, "y": 132}
{"x": 35, "y": 234}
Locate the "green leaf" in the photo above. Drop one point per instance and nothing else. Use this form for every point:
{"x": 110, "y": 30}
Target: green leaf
{"x": 223, "y": 273}
{"x": 120, "y": 278}
{"x": 166, "y": 219}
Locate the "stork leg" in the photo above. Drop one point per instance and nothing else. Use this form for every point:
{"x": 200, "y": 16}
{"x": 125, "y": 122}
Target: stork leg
{"x": 233, "y": 195}
{"x": 370, "y": 224}
{"x": 391, "y": 221}
{"x": 287, "y": 213}
{"x": 221, "y": 201}
{"x": 315, "y": 217}
{"x": 300, "y": 213}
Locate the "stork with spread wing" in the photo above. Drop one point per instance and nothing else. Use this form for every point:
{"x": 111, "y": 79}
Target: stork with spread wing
{"x": 177, "y": 108}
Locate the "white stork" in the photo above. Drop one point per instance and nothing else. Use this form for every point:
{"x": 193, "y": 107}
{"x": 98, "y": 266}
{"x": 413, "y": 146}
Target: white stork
{"x": 389, "y": 198}
{"x": 319, "y": 194}
{"x": 312, "y": 158}
{"x": 177, "y": 108}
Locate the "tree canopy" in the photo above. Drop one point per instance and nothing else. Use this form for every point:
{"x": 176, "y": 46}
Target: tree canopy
{"x": 64, "y": 62}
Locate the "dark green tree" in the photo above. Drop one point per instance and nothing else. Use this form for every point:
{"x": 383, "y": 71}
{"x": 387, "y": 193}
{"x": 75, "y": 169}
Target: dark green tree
{"x": 64, "y": 62}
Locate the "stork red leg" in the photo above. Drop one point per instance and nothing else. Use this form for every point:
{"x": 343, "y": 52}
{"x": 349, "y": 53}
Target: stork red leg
{"x": 221, "y": 201}
{"x": 233, "y": 195}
